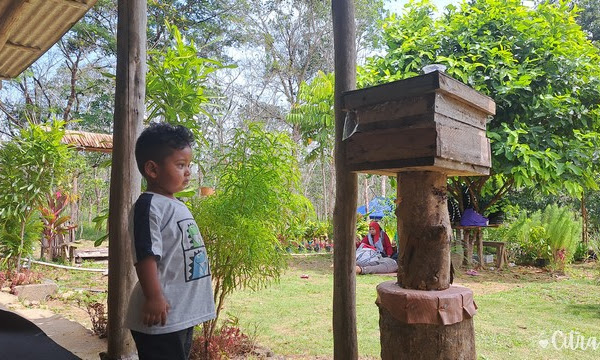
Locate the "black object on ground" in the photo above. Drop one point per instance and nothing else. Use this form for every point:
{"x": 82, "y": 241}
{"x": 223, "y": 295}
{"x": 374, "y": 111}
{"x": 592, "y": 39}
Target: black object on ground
{"x": 20, "y": 339}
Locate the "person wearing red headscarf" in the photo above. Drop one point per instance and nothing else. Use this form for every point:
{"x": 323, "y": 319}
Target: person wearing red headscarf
{"x": 378, "y": 239}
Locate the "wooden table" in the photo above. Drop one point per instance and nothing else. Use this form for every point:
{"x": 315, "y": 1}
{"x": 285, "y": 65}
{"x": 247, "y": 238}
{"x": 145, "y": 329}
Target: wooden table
{"x": 468, "y": 235}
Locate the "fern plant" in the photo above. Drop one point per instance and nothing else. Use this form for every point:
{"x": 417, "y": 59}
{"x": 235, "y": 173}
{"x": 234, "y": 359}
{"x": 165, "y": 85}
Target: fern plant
{"x": 552, "y": 235}
{"x": 564, "y": 232}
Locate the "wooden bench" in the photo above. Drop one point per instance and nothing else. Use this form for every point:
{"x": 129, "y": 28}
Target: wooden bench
{"x": 501, "y": 257}
{"x": 470, "y": 236}
{"x": 67, "y": 252}
{"x": 91, "y": 254}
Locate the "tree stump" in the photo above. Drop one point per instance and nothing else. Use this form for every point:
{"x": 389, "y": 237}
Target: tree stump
{"x": 426, "y": 325}
{"x": 424, "y": 231}
{"x": 422, "y": 316}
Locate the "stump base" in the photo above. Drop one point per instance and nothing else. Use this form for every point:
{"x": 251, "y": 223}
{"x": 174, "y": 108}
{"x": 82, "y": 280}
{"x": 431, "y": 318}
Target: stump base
{"x": 417, "y": 324}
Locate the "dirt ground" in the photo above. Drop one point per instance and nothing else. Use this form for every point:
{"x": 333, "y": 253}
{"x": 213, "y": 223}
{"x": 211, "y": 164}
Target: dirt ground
{"x": 63, "y": 321}
{"x": 70, "y": 334}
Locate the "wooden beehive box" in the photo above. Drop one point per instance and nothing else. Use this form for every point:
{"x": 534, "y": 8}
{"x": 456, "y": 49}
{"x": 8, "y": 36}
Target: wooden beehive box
{"x": 428, "y": 122}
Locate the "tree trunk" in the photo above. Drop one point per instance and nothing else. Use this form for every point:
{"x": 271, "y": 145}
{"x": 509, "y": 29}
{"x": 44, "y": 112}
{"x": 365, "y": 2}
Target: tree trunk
{"x": 584, "y": 221}
{"x": 74, "y": 68}
{"x": 366, "y": 194}
{"x": 200, "y": 178}
{"x": 97, "y": 199}
{"x": 468, "y": 241}
{"x": 125, "y": 181}
{"x": 75, "y": 202}
{"x": 401, "y": 341}
{"x": 325, "y": 197}
{"x": 22, "y": 237}
{"x": 331, "y": 188}
{"x": 345, "y": 346}
{"x": 424, "y": 231}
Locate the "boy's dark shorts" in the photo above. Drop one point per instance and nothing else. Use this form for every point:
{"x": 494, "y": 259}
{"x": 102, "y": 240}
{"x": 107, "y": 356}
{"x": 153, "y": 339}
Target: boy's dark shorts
{"x": 170, "y": 346}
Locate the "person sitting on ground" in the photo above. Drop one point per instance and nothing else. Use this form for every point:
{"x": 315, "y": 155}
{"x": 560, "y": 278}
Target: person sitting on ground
{"x": 370, "y": 261}
{"x": 378, "y": 239}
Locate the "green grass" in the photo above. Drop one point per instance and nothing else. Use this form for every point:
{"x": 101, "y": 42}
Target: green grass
{"x": 517, "y": 309}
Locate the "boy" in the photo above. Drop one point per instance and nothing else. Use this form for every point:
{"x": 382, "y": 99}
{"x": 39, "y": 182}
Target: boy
{"x": 174, "y": 290}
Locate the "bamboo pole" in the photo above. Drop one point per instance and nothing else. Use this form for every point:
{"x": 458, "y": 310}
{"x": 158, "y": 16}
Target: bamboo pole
{"x": 125, "y": 182}
{"x": 345, "y": 346}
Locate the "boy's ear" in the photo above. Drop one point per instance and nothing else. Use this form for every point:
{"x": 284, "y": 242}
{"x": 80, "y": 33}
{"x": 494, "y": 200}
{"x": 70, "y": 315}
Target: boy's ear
{"x": 151, "y": 169}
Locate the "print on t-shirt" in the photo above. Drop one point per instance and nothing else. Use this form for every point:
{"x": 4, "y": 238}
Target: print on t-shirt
{"x": 194, "y": 251}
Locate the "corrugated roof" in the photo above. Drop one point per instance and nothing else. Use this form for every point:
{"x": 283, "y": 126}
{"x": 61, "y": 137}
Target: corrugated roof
{"x": 88, "y": 141}
{"x": 28, "y": 28}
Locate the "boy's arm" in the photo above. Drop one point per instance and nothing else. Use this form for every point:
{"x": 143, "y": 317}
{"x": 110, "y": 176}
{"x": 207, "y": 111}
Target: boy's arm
{"x": 155, "y": 307}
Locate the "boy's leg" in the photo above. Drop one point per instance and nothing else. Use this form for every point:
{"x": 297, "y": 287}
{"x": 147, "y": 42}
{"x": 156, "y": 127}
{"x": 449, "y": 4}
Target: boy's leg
{"x": 176, "y": 345}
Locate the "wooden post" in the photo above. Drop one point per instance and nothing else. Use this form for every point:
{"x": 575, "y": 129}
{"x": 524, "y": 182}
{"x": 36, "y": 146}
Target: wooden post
{"x": 75, "y": 204}
{"x": 345, "y": 344}
{"x": 468, "y": 247}
{"x": 479, "y": 238}
{"x": 424, "y": 231}
{"x": 125, "y": 181}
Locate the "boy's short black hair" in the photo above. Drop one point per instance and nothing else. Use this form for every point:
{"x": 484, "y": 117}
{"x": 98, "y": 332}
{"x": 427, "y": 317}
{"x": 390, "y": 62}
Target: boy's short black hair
{"x": 158, "y": 141}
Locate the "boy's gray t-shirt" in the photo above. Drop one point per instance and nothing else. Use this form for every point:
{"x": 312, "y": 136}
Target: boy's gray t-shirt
{"x": 164, "y": 227}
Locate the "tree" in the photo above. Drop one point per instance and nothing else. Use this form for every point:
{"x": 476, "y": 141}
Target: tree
{"x": 539, "y": 68}
{"x": 256, "y": 200}
{"x": 177, "y": 79}
{"x": 588, "y": 16}
{"x": 313, "y": 117}
{"x": 31, "y": 166}
{"x": 75, "y": 79}
{"x": 295, "y": 41}
{"x": 208, "y": 23}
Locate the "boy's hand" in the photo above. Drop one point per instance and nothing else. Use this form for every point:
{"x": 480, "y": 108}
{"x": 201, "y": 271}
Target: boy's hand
{"x": 155, "y": 311}
{"x": 155, "y": 308}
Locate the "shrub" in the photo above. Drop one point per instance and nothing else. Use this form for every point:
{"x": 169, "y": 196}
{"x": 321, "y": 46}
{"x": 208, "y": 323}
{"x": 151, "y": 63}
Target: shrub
{"x": 257, "y": 198}
{"x": 22, "y": 277}
{"x": 564, "y": 233}
{"x": 229, "y": 342}
{"x": 551, "y": 235}
{"x": 32, "y": 164}
{"x": 362, "y": 226}
{"x": 581, "y": 252}
{"x": 526, "y": 239}
{"x": 10, "y": 243}
{"x": 99, "y": 318}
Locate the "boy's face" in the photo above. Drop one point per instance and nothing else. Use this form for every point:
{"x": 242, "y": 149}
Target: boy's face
{"x": 171, "y": 175}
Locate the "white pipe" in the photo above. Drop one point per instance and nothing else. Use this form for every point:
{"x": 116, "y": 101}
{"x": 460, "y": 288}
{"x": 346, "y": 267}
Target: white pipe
{"x": 67, "y": 267}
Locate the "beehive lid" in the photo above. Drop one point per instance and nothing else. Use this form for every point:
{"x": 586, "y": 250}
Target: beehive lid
{"x": 419, "y": 85}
